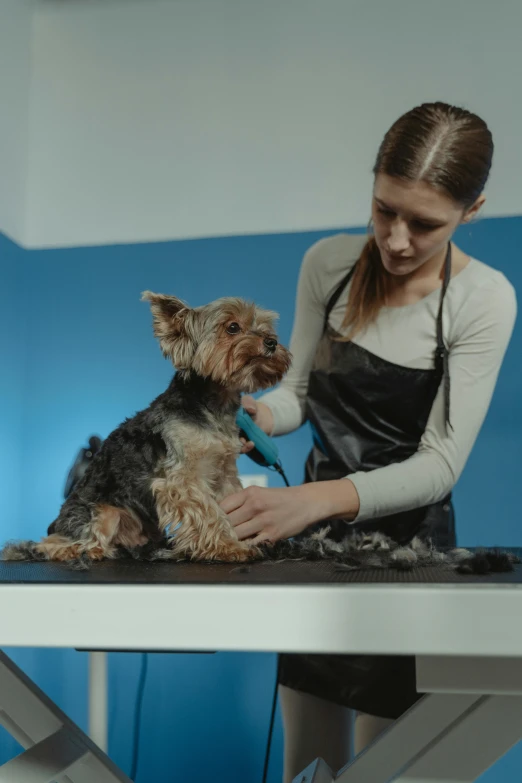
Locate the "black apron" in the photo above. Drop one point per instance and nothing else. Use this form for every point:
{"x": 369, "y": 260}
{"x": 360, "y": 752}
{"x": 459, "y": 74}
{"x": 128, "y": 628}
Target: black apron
{"x": 365, "y": 413}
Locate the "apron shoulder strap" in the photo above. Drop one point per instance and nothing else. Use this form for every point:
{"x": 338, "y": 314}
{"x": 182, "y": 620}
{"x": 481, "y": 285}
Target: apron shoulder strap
{"x": 335, "y": 296}
{"x": 441, "y": 352}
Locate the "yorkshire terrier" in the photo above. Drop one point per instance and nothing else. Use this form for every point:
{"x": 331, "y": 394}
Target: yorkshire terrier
{"x": 159, "y": 477}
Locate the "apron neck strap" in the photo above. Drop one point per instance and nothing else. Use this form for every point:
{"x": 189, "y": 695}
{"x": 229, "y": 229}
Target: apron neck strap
{"x": 441, "y": 352}
{"x": 332, "y": 301}
{"x": 335, "y": 296}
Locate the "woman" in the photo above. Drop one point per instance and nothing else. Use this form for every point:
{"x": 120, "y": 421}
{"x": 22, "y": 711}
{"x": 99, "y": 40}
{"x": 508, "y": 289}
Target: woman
{"x": 397, "y": 343}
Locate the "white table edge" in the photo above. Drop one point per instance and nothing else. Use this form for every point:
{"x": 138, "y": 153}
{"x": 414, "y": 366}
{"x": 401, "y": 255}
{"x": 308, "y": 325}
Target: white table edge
{"x": 416, "y": 619}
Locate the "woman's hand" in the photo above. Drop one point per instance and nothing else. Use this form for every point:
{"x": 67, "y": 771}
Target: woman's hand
{"x": 267, "y": 514}
{"x": 261, "y": 414}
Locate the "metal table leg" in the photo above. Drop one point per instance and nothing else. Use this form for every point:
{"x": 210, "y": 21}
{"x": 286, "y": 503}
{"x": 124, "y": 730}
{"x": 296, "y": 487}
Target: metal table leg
{"x": 318, "y": 772}
{"x": 98, "y": 699}
{"x": 470, "y": 717}
{"x": 56, "y": 748}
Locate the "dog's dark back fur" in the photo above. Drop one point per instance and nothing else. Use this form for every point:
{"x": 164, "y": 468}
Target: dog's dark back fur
{"x": 119, "y": 474}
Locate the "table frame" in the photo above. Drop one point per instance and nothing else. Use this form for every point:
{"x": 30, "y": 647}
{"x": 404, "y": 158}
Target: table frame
{"x": 471, "y": 674}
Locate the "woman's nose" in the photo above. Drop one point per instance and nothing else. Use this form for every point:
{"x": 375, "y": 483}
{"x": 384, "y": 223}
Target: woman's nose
{"x": 399, "y": 238}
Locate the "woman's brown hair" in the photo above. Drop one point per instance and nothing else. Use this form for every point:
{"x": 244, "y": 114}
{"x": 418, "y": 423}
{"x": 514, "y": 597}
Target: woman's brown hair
{"x": 446, "y": 147}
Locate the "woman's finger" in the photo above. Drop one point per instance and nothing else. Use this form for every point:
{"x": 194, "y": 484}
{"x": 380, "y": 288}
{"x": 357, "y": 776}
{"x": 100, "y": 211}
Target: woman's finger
{"x": 233, "y": 501}
{"x": 263, "y": 538}
{"x": 240, "y": 515}
{"x": 249, "y": 404}
{"x": 246, "y": 445}
{"x": 248, "y": 529}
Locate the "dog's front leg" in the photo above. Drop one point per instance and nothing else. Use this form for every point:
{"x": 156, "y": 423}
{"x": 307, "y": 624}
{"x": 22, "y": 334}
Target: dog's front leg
{"x": 228, "y": 482}
{"x": 199, "y": 528}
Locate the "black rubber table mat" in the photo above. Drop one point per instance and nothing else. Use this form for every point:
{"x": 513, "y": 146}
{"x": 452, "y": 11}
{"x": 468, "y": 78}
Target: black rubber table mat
{"x": 284, "y": 573}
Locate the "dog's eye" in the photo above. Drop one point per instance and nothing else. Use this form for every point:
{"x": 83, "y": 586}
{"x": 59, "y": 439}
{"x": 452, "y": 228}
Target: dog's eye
{"x": 233, "y": 328}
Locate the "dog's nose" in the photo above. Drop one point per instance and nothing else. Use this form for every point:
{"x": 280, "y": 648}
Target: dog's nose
{"x": 270, "y": 343}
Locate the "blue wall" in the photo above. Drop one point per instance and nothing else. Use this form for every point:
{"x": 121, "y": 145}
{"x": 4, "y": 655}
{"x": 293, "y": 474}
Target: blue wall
{"x": 13, "y": 320}
{"x": 78, "y": 356}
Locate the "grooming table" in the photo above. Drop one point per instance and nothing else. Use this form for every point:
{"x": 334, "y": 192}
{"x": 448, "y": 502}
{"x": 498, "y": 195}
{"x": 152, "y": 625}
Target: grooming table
{"x": 466, "y": 633}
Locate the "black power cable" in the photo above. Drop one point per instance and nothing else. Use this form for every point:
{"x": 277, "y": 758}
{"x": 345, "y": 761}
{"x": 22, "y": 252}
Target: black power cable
{"x": 279, "y": 468}
{"x": 137, "y": 720}
{"x": 271, "y": 724}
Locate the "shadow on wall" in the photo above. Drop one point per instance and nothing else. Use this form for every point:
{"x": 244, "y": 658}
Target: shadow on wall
{"x": 79, "y": 355}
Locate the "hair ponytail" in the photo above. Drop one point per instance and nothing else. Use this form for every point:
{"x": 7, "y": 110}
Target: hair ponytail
{"x": 367, "y": 292}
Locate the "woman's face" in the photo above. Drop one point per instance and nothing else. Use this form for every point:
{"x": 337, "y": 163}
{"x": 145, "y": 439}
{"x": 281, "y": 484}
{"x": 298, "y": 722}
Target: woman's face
{"x": 413, "y": 222}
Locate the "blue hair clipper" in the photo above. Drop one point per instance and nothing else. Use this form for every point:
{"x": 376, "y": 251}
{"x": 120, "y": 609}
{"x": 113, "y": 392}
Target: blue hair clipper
{"x": 265, "y": 451}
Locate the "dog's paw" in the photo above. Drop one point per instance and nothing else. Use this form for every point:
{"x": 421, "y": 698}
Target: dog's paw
{"x": 237, "y": 552}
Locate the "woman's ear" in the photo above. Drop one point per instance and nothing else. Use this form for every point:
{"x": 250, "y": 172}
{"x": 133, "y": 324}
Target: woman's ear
{"x": 473, "y": 211}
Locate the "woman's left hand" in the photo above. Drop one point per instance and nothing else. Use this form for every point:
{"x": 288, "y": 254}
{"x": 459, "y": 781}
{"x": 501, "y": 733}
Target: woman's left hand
{"x": 267, "y": 514}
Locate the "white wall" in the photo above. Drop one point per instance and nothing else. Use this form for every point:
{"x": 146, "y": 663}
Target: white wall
{"x": 15, "y": 75}
{"x": 157, "y": 120}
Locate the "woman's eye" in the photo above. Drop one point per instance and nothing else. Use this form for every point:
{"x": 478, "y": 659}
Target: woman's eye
{"x": 233, "y": 328}
{"x": 423, "y": 226}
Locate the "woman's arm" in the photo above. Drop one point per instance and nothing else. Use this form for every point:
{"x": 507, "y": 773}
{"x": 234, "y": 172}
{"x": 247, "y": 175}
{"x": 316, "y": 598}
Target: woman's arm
{"x": 318, "y": 275}
{"x": 269, "y": 514}
{"x": 426, "y": 477}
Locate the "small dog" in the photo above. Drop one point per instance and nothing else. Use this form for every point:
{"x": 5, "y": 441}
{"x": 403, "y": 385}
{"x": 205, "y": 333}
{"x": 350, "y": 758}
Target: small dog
{"x": 165, "y": 470}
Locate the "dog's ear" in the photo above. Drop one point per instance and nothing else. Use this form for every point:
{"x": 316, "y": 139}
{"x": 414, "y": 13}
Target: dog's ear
{"x": 164, "y": 307}
{"x": 172, "y": 321}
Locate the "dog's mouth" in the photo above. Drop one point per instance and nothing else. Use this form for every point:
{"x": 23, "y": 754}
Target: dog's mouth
{"x": 260, "y": 370}
{"x": 263, "y": 357}
{"x": 271, "y": 361}
{"x": 264, "y": 364}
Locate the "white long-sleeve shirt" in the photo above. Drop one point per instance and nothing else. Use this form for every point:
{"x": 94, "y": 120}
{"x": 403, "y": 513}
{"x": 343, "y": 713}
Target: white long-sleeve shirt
{"x": 478, "y": 317}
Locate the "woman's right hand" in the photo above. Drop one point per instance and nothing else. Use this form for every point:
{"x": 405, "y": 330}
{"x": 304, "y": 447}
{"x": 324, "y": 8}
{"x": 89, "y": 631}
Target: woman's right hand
{"x": 261, "y": 414}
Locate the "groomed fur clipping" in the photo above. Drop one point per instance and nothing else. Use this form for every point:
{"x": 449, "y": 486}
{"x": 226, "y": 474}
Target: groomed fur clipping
{"x": 377, "y": 551}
